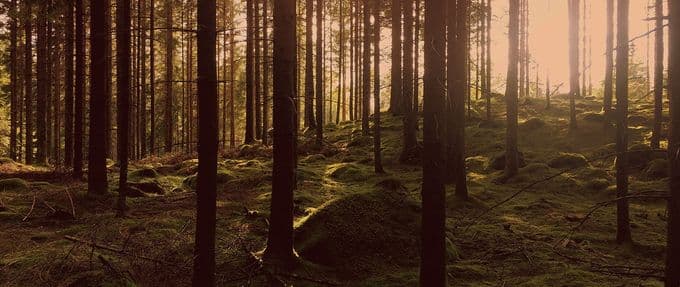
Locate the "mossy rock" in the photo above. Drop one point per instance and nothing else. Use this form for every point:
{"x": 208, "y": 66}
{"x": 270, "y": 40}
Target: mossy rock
{"x": 223, "y": 177}
{"x": 143, "y": 173}
{"x": 13, "y": 184}
{"x": 639, "y": 156}
{"x": 485, "y": 124}
{"x": 150, "y": 187}
{"x": 313, "y": 158}
{"x": 568, "y": 160}
{"x": 656, "y": 169}
{"x": 134, "y": 192}
{"x": 166, "y": 169}
{"x": 476, "y": 163}
{"x": 593, "y": 117}
{"x": 362, "y": 232}
{"x": 532, "y": 124}
{"x": 187, "y": 167}
{"x": 637, "y": 120}
{"x": 361, "y": 140}
{"x": 346, "y": 172}
{"x": 6, "y": 160}
{"x": 597, "y": 184}
{"x": 498, "y": 161}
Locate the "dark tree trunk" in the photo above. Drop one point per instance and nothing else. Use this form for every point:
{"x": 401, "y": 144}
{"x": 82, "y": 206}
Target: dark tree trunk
{"x": 319, "y": 73}
{"x": 13, "y": 78}
{"x": 123, "y": 95}
{"x": 511, "y": 150}
{"x": 250, "y": 73}
{"x": 109, "y": 84}
{"x": 169, "y": 77}
{"x": 366, "y": 69}
{"x": 142, "y": 87}
{"x": 232, "y": 77}
{"x": 522, "y": 50}
{"x": 574, "y": 87}
{"x": 152, "y": 75}
{"x": 396, "y": 99}
{"x": 609, "y": 65}
{"x": 28, "y": 83}
{"x": 488, "y": 60}
{"x": 547, "y": 92}
{"x": 377, "y": 154}
{"x": 96, "y": 163}
{"x": 258, "y": 70}
{"x": 310, "y": 121}
{"x": 280, "y": 240}
{"x": 416, "y": 64}
{"x": 433, "y": 258}
{"x": 342, "y": 97}
{"x": 409, "y": 150}
{"x": 80, "y": 90}
{"x": 206, "y": 209}
{"x": 658, "y": 75}
{"x": 41, "y": 84}
{"x": 457, "y": 76}
{"x": 623, "y": 233}
{"x": 68, "y": 84}
{"x": 673, "y": 243}
{"x": 265, "y": 74}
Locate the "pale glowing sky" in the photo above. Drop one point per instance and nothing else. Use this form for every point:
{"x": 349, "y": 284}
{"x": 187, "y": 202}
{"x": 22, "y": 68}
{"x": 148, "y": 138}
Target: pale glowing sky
{"x": 549, "y": 34}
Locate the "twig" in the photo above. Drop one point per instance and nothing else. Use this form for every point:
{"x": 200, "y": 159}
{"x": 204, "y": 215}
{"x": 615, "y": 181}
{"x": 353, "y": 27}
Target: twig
{"x": 70, "y": 199}
{"x": 31, "y": 210}
{"x": 112, "y": 249}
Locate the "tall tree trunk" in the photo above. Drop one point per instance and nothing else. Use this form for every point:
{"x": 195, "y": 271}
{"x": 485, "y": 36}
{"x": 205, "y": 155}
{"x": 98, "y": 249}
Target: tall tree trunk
{"x": 109, "y": 84}
{"x": 123, "y": 31}
{"x": 250, "y": 73}
{"x": 673, "y": 238}
{"x": 319, "y": 73}
{"x": 522, "y": 50}
{"x": 488, "y": 60}
{"x": 280, "y": 239}
{"x": 152, "y": 75}
{"x": 366, "y": 69}
{"x": 169, "y": 77}
{"x": 206, "y": 208}
{"x": 623, "y": 234}
{"x": 343, "y": 76}
{"x": 574, "y": 86}
{"x": 584, "y": 45}
{"x": 258, "y": 70}
{"x": 68, "y": 84}
{"x": 396, "y": 99}
{"x": 351, "y": 61}
{"x": 310, "y": 121}
{"x": 41, "y": 84}
{"x": 80, "y": 90}
{"x": 416, "y": 64}
{"x": 143, "y": 88}
{"x": 265, "y": 74}
{"x": 232, "y": 77}
{"x": 609, "y": 65}
{"x": 28, "y": 82}
{"x": 433, "y": 258}
{"x": 658, "y": 74}
{"x": 96, "y": 176}
{"x": 410, "y": 149}
{"x": 511, "y": 150}
{"x": 547, "y": 92}
{"x": 13, "y": 78}
{"x": 377, "y": 155}
{"x": 457, "y": 89}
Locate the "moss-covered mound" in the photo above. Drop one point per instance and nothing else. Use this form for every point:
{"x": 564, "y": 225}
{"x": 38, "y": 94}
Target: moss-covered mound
{"x": 13, "y": 184}
{"x": 363, "y": 232}
{"x": 657, "y": 169}
{"x": 346, "y": 172}
{"x": 498, "y": 161}
{"x": 568, "y": 160}
{"x": 532, "y": 124}
{"x": 142, "y": 173}
{"x": 223, "y": 177}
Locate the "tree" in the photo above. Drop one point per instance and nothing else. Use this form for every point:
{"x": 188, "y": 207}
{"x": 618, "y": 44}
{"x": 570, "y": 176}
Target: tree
{"x": 96, "y": 176}
{"x": 123, "y": 95}
{"x": 366, "y": 69}
{"x": 488, "y": 60}
{"x": 206, "y": 208}
{"x": 574, "y": 87}
{"x": 511, "y": 151}
{"x": 319, "y": 73}
{"x": 265, "y": 74}
{"x": 673, "y": 238}
{"x": 377, "y": 156}
{"x": 258, "y": 69}
{"x": 457, "y": 90}
{"x": 310, "y": 122}
{"x": 433, "y": 258}
{"x": 410, "y": 149}
{"x": 152, "y": 76}
{"x": 396, "y": 98}
{"x": 14, "y": 112}
{"x": 609, "y": 60}
{"x": 169, "y": 76}
{"x": 280, "y": 239}
{"x": 623, "y": 234}
{"x": 250, "y": 84}
{"x": 658, "y": 75}
{"x": 80, "y": 89}
{"x": 41, "y": 84}
{"x": 68, "y": 84}
{"x": 28, "y": 83}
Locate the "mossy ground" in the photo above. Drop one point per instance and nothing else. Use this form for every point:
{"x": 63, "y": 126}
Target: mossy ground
{"x": 340, "y": 202}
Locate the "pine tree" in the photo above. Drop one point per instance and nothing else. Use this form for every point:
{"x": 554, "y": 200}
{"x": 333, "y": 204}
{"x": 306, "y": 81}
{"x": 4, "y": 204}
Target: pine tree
{"x": 511, "y": 150}
{"x": 396, "y": 98}
{"x": 310, "y": 121}
{"x": 658, "y": 75}
{"x": 169, "y": 76}
{"x": 409, "y": 150}
{"x": 609, "y": 55}
{"x": 377, "y": 153}
{"x": 68, "y": 83}
{"x": 96, "y": 176}
{"x": 623, "y": 233}
{"x": 319, "y": 73}
{"x": 123, "y": 95}
{"x": 574, "y": 86}
{"x": 250, "y": 73}
{"x": 673, "y": 239}
{"x": 28, "y": 82}
{"x": 14, "y": 111}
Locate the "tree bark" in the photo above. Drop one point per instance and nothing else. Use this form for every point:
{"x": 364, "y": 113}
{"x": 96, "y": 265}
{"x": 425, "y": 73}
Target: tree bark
{"x": 28, "y": 82}
{"x": 366, "y": 69}
{"x": 511, "y": 150}
{"x": 609, "y": 61}
{"x": 377, "y": 153}
{"x": 250, "y": 72}
{"x": 123, "y": 96}
{"x": 152, "y": 76}
{"x": 396, "y": 98}
{"x": 319, "y": 73}
{"x": 13, "y": 78}
{"x": 169, "y": 76}
{"x": 258, "y": 69}
{"x": 79, "y": 93}
{"x": 410, "y": 149}
{"x": 623, "y": 233}
{"x": 265, "y": 74}
{"x": 68, "y": 84}
{"x": 673, "y": 239}
{"x": 574, "y": 86}
{"x": 457, "y": 75}
{"x": 658, "y": 75}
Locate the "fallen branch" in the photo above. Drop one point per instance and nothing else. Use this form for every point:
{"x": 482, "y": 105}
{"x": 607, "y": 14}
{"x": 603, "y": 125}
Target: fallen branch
{"x": 31, "y": 210}
{"x": 643, "y": 272}
{"x": 113, "y": 249}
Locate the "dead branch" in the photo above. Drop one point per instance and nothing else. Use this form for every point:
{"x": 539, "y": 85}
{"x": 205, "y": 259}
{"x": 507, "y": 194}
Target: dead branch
{"x": 113, "y": 249}
{"x": 31, "y": 210}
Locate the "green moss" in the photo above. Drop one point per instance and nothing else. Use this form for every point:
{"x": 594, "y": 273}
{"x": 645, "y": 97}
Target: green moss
{"x": 142, "y": 173}
{"x": 13, "y": 184}
{"x": 568, "y": 160}
{"x": 346, "y": 172}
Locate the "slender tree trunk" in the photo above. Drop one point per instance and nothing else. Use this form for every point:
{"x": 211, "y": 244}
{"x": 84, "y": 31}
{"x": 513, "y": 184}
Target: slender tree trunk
{"x": 416, "y": 64}
{"x": 79, "y": 91}
{"x": 488, "y": 60}
{"x": 280, "y": 240}
{"x": 584, "y": 45}
{"x": 258, "y": 70}
{"x": 396, "y": 98}
{"x": 377, "y": 154}
{"x": 13, "y": 78}
{"x": 319, "y": 73}
{"x": 574, "y": 87}
{"x": 310, "y": 121}
{"x": 343, "y": 76}
{"x": 169, "y": 77}
{"x": 366, "y": 76}
{"x": 123, "y": 95}
{"x": 143, "y": 88}
{"x": 28, "y": 83}
{"x": 522, "y": 50}
{"x": 658, "y": 75}
{"x": 250, "y": 73}
{"x": 433, "y": 257}
{"x": 673, "y": 239}
{"x": 457, "y": 75}
{"x": 68, "y": 84}
{"x": 109, "y": 84}
{"x": 410, "y": 149}
{"x": 623, "y": 233}
{"x": 511, "y": 150}
{"x": 152, "y": 76}
{"x": 41, "y": 84}
{"x": 547, "y": 92}
{"x": 96, "y": 175}
{"x": 609, "y": 65}
{"x": 265, "y": 74}
{"x": 232, "y": 77}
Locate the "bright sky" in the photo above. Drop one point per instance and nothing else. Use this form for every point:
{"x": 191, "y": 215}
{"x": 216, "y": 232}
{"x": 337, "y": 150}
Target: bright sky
{"x": 548, "y": 34}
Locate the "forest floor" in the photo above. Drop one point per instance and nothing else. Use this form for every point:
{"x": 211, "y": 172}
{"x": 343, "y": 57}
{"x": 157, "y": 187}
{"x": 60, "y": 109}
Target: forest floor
{"x": 353, "y": 227}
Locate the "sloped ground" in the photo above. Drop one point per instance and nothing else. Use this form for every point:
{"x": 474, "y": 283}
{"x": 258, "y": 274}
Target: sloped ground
{"x": 355, "y": 228}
